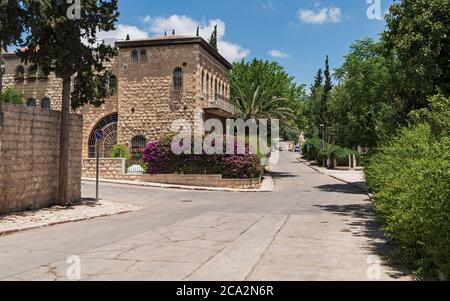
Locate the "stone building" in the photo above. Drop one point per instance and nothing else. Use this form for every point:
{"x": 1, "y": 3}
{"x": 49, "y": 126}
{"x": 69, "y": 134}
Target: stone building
{"x": 155, "y": 82}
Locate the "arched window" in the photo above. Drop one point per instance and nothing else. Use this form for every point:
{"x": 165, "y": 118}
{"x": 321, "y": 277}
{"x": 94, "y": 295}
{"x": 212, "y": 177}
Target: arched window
{"x": 178, "y": 79}
{"x": 203, "y": 81}
{"x": 113, "y": 84}
{"x": 134, "y": 55}
{"x": 45, "y": 103}
{"x": 31, "y": 103}
{"x": 138, "y": 144}
{"x": 109, "y": 126}
{"x": 143, "y": 55}
{"x": 215, "y": 89}
{"x": 207, "y": 86}
{"x": 20, "y": 71}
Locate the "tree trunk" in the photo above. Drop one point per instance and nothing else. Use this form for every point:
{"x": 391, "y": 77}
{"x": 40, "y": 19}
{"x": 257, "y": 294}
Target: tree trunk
{"x": 64, "y": 144}
{"x": 1, "y": 81}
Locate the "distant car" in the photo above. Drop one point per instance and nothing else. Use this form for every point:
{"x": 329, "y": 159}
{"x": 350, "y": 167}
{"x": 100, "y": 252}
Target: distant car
{"x": 298, "y": 149}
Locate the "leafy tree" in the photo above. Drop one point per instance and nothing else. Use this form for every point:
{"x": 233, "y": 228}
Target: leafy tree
{"x": 69, "y": 48}
{"x": 418, "y": 33}
{"x": 213, "y": 39}
{"x": 256, "y": 103}
{"x": 12, "y": 96}
{"x": 11, "y": 28}
{"x": 272, "y": 78}
{"x": 361, "y": 109}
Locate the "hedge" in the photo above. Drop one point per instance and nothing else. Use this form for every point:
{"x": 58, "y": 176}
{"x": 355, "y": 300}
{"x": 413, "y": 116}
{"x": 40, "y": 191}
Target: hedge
{"x": 410, "y": 177}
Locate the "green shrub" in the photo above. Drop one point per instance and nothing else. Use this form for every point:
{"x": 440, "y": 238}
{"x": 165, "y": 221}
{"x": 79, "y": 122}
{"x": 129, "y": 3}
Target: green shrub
{"x": 12, "y": 96}
{"x": 120, "y": 151}
{"x": 312, "y": 149}
{"x": 410, "y": 177}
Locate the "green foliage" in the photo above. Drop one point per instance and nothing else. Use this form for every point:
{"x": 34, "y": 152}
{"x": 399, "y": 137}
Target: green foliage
{"x": 213, "y": 39}
{"x": 255, "y": 103}
{"x": 274, "y": 82}
{"x": 312, "y": 149}
{"x": 362, "y": 112}
{"x": 410, "y": 178}
{"x": 120, "y": 151}
{"x": 13, "y": 96}
{"x": 418, "y": 34}
{"x": 11, "y": 23}
{"x": 437, "y": 115}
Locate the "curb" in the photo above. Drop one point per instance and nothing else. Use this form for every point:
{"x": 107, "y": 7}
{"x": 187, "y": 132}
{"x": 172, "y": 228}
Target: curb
{"x": 267, "y": 179}
{"x": 362, "y": 189}
{"x": 12, "y": 231}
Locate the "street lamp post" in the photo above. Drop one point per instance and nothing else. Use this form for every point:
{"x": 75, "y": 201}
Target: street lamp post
{"x": 322, "y": 128}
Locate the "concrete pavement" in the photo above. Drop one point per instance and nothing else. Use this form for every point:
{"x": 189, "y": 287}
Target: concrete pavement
{"x": 312, "y": 227}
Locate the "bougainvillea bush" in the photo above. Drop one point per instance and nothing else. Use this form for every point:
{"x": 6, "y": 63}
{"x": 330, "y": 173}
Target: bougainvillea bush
{"x": 160, "y": 159}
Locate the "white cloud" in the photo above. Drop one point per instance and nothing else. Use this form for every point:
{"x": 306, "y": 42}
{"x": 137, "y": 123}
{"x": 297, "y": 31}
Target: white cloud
{"x": 185, "y": 25}
{"x": 278, "y": 53}
{"x": 270, "y": 5}
{"x": 121, "y": 33}
{"x": 324, "y": 15}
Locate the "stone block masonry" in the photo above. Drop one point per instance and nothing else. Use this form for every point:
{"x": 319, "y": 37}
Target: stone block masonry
{"x": 29, "y": 158}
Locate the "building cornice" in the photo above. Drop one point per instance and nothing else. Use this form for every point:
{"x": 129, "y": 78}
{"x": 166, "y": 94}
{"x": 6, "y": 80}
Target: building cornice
{"x": 176, "y": 41}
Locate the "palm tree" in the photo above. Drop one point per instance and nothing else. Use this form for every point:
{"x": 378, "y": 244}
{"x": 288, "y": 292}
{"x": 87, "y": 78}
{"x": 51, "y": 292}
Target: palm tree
{"x": 253, "y": 102}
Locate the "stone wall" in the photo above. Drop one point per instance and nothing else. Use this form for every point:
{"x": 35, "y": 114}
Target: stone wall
{"x": 109, "y": 168}
{"x": 114, "y": 169}
{"x": 29, "y": 158}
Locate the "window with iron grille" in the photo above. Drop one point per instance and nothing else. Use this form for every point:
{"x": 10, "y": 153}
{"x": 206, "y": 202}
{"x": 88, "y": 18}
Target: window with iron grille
{"x": 45, "y": 103}
{"x": 138, "y": 144}
{"x": 143, "y": 55}
{"x": 109, "y": 127}
{"x": 134, "y": 55}
{"x": 31, "y": 103}
{"x": 178, "y": 79}
{"x": 113, "y": 84}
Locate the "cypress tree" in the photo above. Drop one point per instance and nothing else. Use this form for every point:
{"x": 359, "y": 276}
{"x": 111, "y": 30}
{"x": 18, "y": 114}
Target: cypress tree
{"x": 128, "y": 37}
{"x": 328, "y": 86}
{"x": 213, "y": 39}
{"x": 198, "y": 31}
{"x": 318, "y": 81}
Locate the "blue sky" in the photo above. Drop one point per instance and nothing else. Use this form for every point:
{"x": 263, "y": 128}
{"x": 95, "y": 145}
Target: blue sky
{"x": 296, "y": 33}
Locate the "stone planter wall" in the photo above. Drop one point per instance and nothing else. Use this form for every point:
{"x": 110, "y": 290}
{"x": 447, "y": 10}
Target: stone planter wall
{"x": 114, "y": 169}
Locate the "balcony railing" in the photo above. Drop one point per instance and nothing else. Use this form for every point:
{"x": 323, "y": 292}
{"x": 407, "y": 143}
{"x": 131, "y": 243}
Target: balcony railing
{"x": 218, "y": 101}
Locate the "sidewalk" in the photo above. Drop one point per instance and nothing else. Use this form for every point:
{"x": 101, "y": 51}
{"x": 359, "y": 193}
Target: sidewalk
{"x": 355, "y": 178}
{"x": 56, "y": 215}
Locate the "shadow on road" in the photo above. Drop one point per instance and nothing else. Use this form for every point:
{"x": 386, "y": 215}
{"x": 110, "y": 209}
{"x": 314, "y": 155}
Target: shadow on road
{"x": 360, "y": 218}
{"x": 342, "y": 188}
{"x": 280, "y": 175}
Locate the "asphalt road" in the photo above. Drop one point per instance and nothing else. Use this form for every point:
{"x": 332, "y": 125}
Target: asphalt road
{"x": 312, "y": 227}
